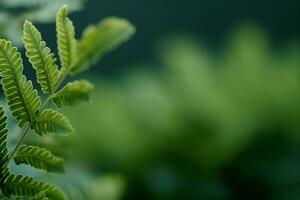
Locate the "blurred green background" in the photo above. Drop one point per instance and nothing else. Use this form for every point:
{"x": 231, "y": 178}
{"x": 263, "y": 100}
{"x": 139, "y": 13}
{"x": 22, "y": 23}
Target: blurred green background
{"x": 203, "y": 103}
{"x": 209, "y": 21}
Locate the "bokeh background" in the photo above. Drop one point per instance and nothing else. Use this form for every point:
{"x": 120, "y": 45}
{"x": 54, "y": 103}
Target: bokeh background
{"x": 203, "y": 102}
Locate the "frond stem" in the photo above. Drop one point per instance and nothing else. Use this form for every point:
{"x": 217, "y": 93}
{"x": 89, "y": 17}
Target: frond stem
{"x": 61, "y": 80}
{"x": 26, "y": 130}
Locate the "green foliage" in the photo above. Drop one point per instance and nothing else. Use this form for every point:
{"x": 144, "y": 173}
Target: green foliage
{"x": 39, "y": 158}
{"x": 50, "y": 122}
{"x": 73, "y": 93}
{"x": 81, "y": 184}
{"x": 41, "y": 58}
{"x": 23, "y": 100}
{"x": 3, "y": 147}
{"x": 85, "y": 186}
{"x": 31, "y": 113}
{"x": 66, "y": 42}
{"x": 40, "y": 196}
{"x": 210, "y": 112}
{"x": 100, "y": 39}
{"x": 18, "y": 185}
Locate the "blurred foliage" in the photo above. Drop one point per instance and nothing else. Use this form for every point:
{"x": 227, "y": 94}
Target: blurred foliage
{"x": 81, "y": 186}
{"x": 199, "y": 123}
{"x": 14, "y": 12}
{"x": 210, "y": 125}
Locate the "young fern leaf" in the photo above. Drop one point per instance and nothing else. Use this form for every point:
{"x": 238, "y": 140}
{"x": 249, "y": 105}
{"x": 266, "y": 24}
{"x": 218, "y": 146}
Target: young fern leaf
{"x": 18, "y": 185}
{"x": 39, "y": 158}
{"x": 51, "y": 122}
{"x": 73, "y": 93}
{"x": 41, "y": 58}
{"x": 23, "y": 100}
{"x": 100, "y": 39}
{"x": 66, "y": 41}
{"x": 4, "y": 171}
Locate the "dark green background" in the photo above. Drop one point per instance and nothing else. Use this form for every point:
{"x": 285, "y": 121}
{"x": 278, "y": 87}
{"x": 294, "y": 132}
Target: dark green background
{"x": 210, "y": 21}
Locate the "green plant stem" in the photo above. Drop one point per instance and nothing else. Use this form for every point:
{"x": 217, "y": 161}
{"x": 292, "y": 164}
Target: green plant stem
{"x": 26, "y": 130}
{"x": 62, "y": 79}
{"x": 16, "y": 149}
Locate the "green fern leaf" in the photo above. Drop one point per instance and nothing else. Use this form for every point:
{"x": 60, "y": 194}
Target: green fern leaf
{"x": 4, "y": 171}
{"x": 23, "y": 100}
{"x": 100, "y": 39}
{"x": 18, "y": 185}
{"x": 52, "y": 122}
{"x": 39, "y": 158}
{"x": 73, "y": 93}
{"x": 41, "y": 58}
{"x": 66, "y": 41}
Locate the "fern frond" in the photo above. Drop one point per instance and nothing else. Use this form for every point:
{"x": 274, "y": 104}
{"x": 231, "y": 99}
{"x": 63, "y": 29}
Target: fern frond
{"x": 66, "y": 41}
{"x": 100, "y": 39}
{"x": 3, "y": 147}
{"x": 73, "y": 93}
{"x": 23, "y": 100}
{"x": 39, "y": 158}
{"x": 52, "y": 122}
{"x": 41, "y": 58}
{"x": 18, "y": 185}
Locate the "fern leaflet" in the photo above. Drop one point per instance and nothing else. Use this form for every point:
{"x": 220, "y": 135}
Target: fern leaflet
{"x": 18, "y": 185}
{"x": 52, "y": 122}
{"x": 23, "y": 100}
{"x": 40, "y": 57}
{"x": 39, "y": 158}
{"x": 3, "y": 148}
{"x": 73, "y": 93}
{"x": 100, "y": 39}
{"x": 66, "y": 41}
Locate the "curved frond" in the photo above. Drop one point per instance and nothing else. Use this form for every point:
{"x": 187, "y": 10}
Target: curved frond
{"x": 3, "y": 147}
{"x": 73, "y": 93}
{"x": 18, "y": 185}
{"x": 100, "y": 39}
{"x": 66, "y": 41}
{"x": 39, "y": 158}
{"x": 23, "y": 100}
{"x": 41, "y": 58}
{"x": 52, "y": 122}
